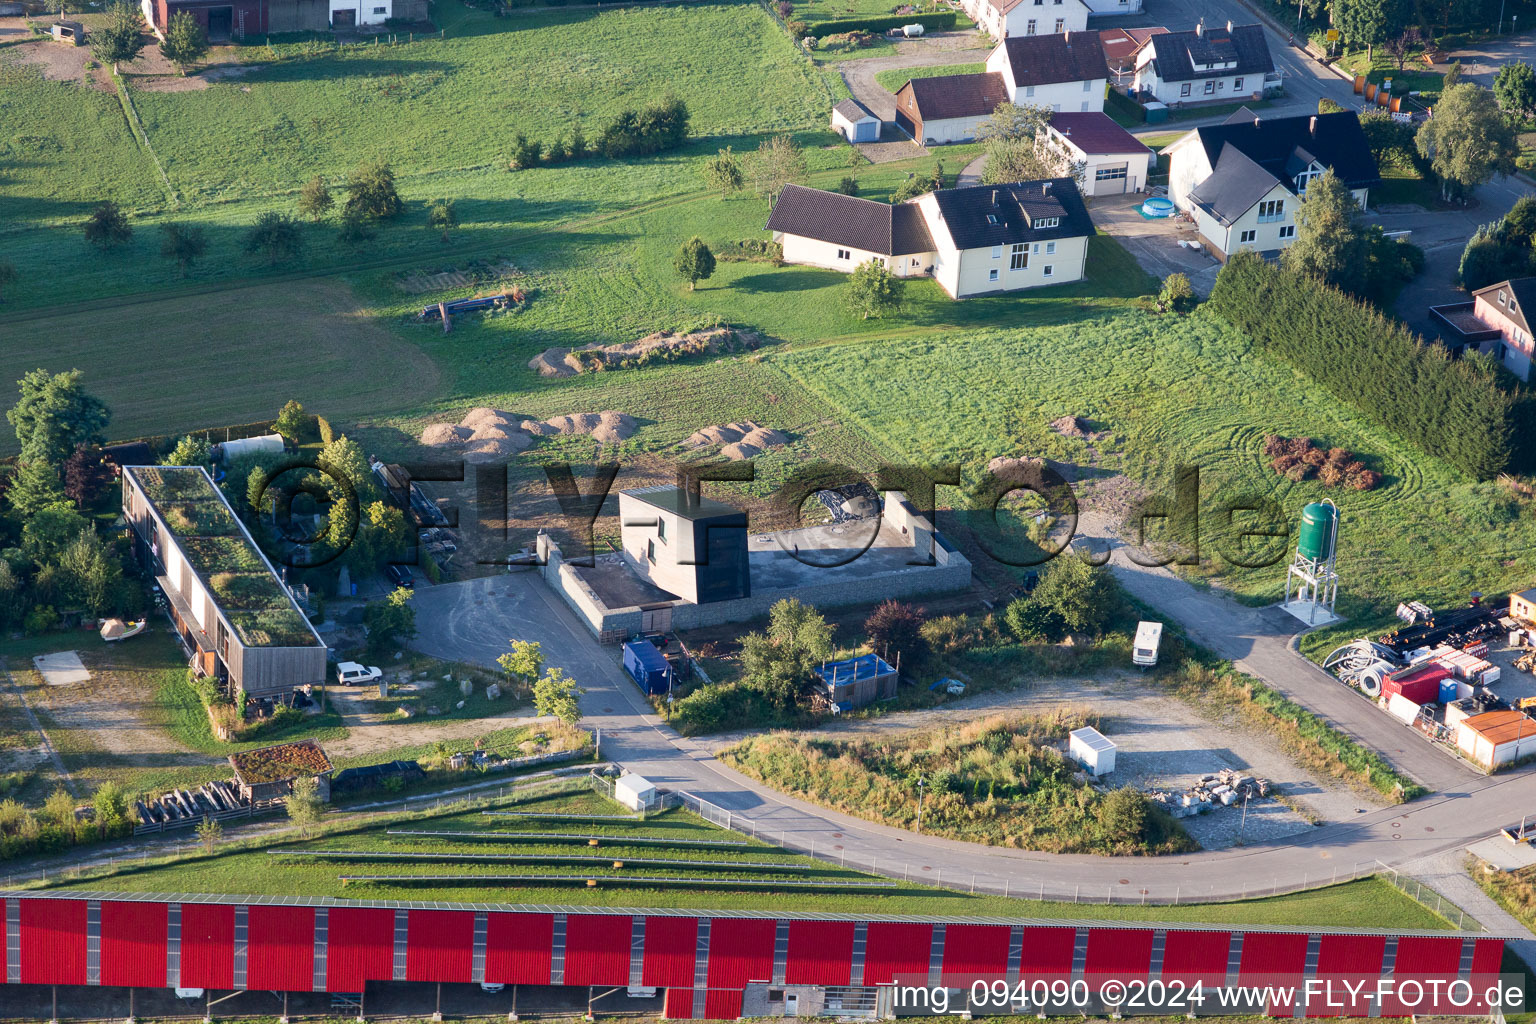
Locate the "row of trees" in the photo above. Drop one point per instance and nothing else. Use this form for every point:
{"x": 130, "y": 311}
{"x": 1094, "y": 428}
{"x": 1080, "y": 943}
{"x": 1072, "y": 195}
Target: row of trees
{"x": 1505, "y": 248}
{"x": 55, "y": 827}
{"x": 632, "y": 132}
{"x": 1462, "y": 410}
{"x": 122, "y": 37}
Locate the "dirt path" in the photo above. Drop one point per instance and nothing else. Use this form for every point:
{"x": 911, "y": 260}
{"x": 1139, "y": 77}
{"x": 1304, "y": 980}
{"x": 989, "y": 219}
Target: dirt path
{"x": 44, "y": 750}
{"x": 939, "y": 48}
{"x": 373, "y": 727}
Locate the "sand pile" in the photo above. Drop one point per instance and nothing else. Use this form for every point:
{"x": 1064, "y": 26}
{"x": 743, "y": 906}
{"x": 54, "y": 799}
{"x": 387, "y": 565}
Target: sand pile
{"x": 606, "y": 426}
{"x": 1017, "y": 471}
{"x": 444, "y": 435}
{"x": 741, "y": 440}
{"x": 661, "y": 345}
{"x": 1073, "y": 426}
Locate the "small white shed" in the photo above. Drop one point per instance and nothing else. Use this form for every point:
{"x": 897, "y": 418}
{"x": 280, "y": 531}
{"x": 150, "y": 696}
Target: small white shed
{"x": 635, "y": 792}
{"x": 853, "y": 122}
{"x": 1092, "y": 749}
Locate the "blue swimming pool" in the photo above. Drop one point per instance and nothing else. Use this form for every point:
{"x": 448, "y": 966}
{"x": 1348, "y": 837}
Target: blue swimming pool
{"x": 1157, "y": 206}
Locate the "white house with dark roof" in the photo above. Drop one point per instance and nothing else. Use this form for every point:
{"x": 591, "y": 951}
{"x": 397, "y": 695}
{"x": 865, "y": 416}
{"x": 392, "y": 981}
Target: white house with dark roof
{"x": 1205, "y": 65}
{"x": 1062, "y": 72}
{"x": 1004, "y": 19}
{"x": 972, "y": 241}
{"x": 1243, "y": 180}
{"x": 1114, "y": 161}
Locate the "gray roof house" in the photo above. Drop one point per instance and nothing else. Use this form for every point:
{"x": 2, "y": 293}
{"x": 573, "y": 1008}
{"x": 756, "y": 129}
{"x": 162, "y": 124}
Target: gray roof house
{"x": 1205, "y": 65}
{"x": 986, "y": 238}
{"x": 1242, "y": 180}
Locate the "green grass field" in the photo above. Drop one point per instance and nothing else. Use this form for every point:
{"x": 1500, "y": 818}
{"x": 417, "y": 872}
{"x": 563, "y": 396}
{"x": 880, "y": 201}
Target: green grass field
{"x": 249, "y": 869}
{"x": 895, "y": 78}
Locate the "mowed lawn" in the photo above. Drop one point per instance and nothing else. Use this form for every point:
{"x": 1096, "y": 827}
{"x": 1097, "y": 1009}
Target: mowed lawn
{"x": 1167, "y": 392}
{"x": 440, "y": 105}
{"x": 171, "y": 365}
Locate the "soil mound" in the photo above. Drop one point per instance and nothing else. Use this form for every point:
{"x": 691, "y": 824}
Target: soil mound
{"x": 1073, "y": 426}
{"x": 663, "y": 346}
{"x": 743, "y": 439}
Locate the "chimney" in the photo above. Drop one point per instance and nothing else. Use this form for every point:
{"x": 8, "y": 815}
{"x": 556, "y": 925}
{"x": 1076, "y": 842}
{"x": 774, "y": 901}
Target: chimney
{"x": 1229, "y": 26}
{"x": 994, "y": 197}
{"x": 1067, "y": 37}
{"x": 1256, "y": 120}
{"x": 1312, "y": 125}
{"x": 1200, "y": 28}
{"x": 1045, "y": 188}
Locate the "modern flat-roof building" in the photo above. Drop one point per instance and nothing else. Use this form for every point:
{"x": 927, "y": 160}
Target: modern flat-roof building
{"x": 234, "y": 616}
{"x": 688, "y": 545}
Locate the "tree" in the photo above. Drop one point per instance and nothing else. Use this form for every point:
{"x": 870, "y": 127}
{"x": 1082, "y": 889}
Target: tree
{"x": 107, "y": 225}
{"x": 915, "y": 186}
{"x": 59, "y": 810}
{"x": 182, "y": 245}
{"x": 210, "y": 832}
{"x": 1402, "y": 46}
{"x": 382, "y": 535}
{"x": 848, "y": 185}
{"x": 1515, "y": 89}
{"x": 1328, "y": 106}
{"x": 190, "y": 451}
{"x": 55, "y": 414}
{"x": 1082, "y": 595}
{"x": 390, "y": 620}
{"x": 1329, "y": 244}
{"x": 777, "y": 162}
{"x": 524, "y": 662}
{"x": 89, "y": 574}
{"x": 694, "y": 262}
{"x": 86, "y": 474}
{"x": 1014, "y": 121}
{"x": 371, "y": 192}
{"x": 1452, "y": 76}
{"x": 1177, "y": 296}
{"x": 120, "y": 39}
{"x": 344, "y": 457}
{"x": 290, "y": 421}
{"x": 354, "y": 229}
{"x": 442, "y": 217}
{"x": 304, "y": 804}
{"x": 723, "y": 173}
{"x": 50, "y": 529}
{"x": 1391, "y": 140}
{"x": 1122, "y": 813}
{"x": 35, "y": 486}
{"x": 782, "y": 662}
{"x": 895, "y": 632}
{"x": 1033, "y": 622}
{"x": 525, "y": 154}
{"x": 1363, "y": 22}
{"x": 1011, "y": 160}
{"x": 872, "y": 290}
{"x": 555, "y": 694}
{"x": 9, "y": 275}
{"x": 185, "y": 42}
{"x": 111, "y": 806}
{"x": 275, "y": 237}
{"x": 1468, "y": 140}
{"x": 315, "y": 200}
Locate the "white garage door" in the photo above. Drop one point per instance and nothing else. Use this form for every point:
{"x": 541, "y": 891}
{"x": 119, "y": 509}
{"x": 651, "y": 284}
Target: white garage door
{"x": 1109, "y": 179}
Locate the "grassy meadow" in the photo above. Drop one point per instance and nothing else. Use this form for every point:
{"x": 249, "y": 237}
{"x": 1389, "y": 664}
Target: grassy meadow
{"x": 893, "y": 79}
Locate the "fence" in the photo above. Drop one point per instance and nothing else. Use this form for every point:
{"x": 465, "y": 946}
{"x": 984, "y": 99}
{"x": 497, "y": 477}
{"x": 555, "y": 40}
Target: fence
{"x": 1121, "y": 892}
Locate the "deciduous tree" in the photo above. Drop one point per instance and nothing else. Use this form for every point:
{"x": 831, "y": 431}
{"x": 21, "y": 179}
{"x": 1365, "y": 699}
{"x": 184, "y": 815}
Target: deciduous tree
{"x": 390, "y": 620}
{"x": 86, "y": 474}
{"x": 107, "y": 225}
{"x": 1329, "y": 244}
{"x": 1082, "y": 595}
{"x": 1468, "y": 140}
{"x": 182, "y": 245}
{"x": 371, "y": 192}
{"x": 191, "y": 450}
{"x": 895, "y": 630}
{"x": 120, "y": 38}
{"x": 303, "y": 804}
{"x": 1515, "y": 89}
{"x": 872, "y": 290}
{"x": 781, "y": 662}
{"x": 722, "y": 172}
{"x": 291, "y": 421}
{"x": 209, "y": 833}
{"x": 777, "y": 162}
{"x": 54, "y": 414}
{"x": 275, "y": 237}
{"x": 556, "y": 694}
{"x": 185, "y": 42}
{"x": 524, "y": 662}
{"x": 442, "y": 217}
{"x": 694, "y": 262}
{"x": 315, "y": 199}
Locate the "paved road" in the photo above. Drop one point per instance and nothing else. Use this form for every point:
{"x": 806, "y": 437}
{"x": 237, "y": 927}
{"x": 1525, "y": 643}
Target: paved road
{"x": 473, "y": 620}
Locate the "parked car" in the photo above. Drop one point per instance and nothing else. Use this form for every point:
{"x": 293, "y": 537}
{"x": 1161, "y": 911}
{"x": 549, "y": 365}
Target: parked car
{"x": 400, "y": 575}
{"x": 350, "y": 673}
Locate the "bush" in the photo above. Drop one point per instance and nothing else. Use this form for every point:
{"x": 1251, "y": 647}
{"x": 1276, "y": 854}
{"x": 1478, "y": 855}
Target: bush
{"x": 1033, "y": 622}
{"x": 654, "y": 129}
{"x": 895, "y": 631}
{"x": 1461, "y": 410}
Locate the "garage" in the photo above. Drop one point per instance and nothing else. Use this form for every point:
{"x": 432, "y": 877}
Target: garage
{"x": 1114, "y": 161}
{"x": 854, "y": 122}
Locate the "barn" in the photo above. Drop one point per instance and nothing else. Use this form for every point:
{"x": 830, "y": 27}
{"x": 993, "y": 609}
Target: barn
{"x": 708, "y": 964}
{"x": 948, "y": 108}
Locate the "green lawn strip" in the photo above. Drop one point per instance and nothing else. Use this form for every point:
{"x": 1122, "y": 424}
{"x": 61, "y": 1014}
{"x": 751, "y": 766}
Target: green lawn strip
{"x": 893, "y": 79}
{"x": 246, "y": 868}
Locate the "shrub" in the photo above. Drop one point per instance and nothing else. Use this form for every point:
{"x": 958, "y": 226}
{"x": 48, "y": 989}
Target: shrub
{"x": 654, "y": 129}
{"x": 895, "y": 631}
{"x": 525, "y": 154}
{"x": 1460, "y": 410}
{"x": 1033, "y": 622}
{"x": 849, "y": 186}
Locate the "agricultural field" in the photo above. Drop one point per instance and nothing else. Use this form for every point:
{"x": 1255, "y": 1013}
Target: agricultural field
{"x": 248, "y": 867}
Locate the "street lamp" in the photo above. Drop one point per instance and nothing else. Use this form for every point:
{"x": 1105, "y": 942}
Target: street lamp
{"x": 920, "y": 783}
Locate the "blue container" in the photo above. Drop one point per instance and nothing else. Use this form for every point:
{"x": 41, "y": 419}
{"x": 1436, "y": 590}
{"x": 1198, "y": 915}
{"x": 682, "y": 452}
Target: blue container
{"x": 1447, "y": 690}
{"x": 647, "y": 667}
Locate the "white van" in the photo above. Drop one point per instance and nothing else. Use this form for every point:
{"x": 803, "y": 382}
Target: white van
{"x": 1144, "y": 647}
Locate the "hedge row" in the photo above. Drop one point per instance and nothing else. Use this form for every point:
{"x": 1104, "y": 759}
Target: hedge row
{"x": 1466, "y": 411}
{"x": 932, "y": 22}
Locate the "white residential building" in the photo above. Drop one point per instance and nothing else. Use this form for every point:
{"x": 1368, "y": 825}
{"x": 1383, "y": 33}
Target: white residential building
{"x": 1205, "y": 65}
{"x": 1243, "y": 180}
{"x": 971, "y": 240}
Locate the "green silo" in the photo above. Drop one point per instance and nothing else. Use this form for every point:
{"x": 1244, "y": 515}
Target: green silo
{"x": 1315, "y": 540}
